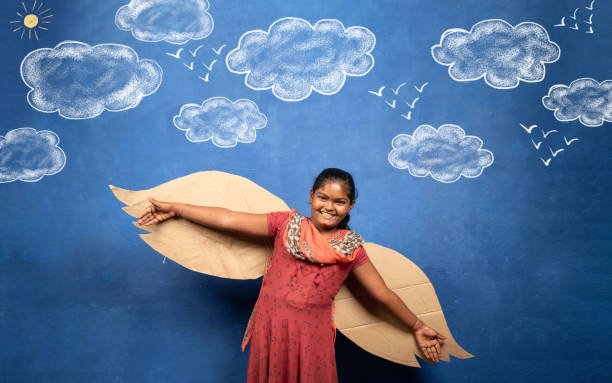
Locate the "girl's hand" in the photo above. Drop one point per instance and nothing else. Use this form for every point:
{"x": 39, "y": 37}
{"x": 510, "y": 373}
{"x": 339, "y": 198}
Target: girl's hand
{"x": 157, "y": 212}
{"x": 427, "y": 339}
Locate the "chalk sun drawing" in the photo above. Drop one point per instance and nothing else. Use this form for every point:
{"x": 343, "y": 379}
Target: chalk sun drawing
{"x": 27, "y": 155}
{"x": 585, "y": 100}
{"x": 498, "y": 52}
{"x": 32, "y": 20}
{"x": 445, "y": 153}
{"x": 293, "y": 57}
{"x": 221, "y": 121}
{"x": 80, "y": 81}
{"x": 172, "y": 21}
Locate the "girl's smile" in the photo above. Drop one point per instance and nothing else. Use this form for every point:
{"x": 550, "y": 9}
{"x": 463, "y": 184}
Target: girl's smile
{"x": 329, "y": 205}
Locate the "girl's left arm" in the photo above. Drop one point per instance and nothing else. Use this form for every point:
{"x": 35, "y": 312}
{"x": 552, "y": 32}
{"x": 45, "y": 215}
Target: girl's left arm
{"x": 427, "y": 338}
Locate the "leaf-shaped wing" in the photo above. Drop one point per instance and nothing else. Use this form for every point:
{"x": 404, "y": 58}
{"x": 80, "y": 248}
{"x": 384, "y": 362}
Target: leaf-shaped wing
{"x": 198, "y": 248}
{"x": 375, "y": 329}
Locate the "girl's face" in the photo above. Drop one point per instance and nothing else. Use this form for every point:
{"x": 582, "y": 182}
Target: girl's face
{"x": 329, "y": 204}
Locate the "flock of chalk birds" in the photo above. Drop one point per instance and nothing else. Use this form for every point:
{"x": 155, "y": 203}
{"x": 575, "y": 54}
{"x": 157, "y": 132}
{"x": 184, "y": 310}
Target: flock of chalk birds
{"x": 205, "y": 69}
{"x": 553, "y": 153}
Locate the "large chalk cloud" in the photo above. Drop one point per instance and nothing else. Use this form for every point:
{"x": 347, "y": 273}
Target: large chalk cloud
{"x": 218, "y": 119}
{"x": 293, "y": 58}
{"x": 445, "y": 153}
{"x": 80, "y": 81}
{"x": 504, "y": 55}
{"x": 28, "y": 155}
{"x": 173, "y": 21}
{"x": 584, "y": 99}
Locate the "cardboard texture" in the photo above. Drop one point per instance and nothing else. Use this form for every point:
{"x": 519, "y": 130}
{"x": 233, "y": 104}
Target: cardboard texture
{"x": 228, "y": 255}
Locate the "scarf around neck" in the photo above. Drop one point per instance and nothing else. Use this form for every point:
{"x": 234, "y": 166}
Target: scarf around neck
{"x": 303, "y": 241}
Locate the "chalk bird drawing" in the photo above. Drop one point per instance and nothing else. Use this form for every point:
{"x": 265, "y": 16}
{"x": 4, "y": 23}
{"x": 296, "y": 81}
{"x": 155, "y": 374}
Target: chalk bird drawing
{"x": 210, "y": 66}
{"x": 411, "y": 104}
{"x": 396, "y": 90}
{"x": 31, "y": 20}
{"x": 575, "y": 14}
{"x": 408, "y": 115}
{"x": 528, "y": 129}
{"x": 218, "y": 50}
{"x": 377, "y": 93}
{"x": 568, "y": 143}
{"x": 590, "y": 20}
{"x": 546, "y": 134}
{"x": 221, "y": 254}
{"x": 545, "y": 162}
{"x": 590, "y": 31}
{"x": 561, "y": 23}
{"x": 391, "y": 104}
{"x": 190, "y": 66}
{"x": 205, "y": 78}
{"x": 176, "y": 55}
{"x": 575, "y": 27}
{"x": 420, "y": 88}
{"x": 195, "y": 51}
{"x": 554, "y": 154}
{"x": 537, "y": 146}
{"x": 590, "y": 7}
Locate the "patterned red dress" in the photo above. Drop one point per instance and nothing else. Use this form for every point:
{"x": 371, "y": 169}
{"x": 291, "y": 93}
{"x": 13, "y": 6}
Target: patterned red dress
{"x": 292, "y": 334}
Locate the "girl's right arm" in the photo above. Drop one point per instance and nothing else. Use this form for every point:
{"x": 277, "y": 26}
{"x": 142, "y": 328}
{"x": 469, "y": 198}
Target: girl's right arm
{"x": 212, "y": 217}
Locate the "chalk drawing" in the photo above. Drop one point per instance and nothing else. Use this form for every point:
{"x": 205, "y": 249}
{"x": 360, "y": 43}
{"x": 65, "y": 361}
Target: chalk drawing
{"x": 378, "y": 92}
{"x": 32, "y": 20}
{"x": 445, "y": 153}
{"x": 420, "y": 88}
{"x": 220, "y": 120}
{"x": 498, "y": 52}
{"x": 80, "y": 81}
{"x": 585, "y": 99}
{"x": 218, "y": 50}
{"x": 528, "y": 129}
{"x": 578, "y": 18}
{"x": 293, "y": 57}
{"x": 176, "y": 55}
{"x": 546, "y": 134}
{"x": 172, "y": 21}
{"x": 27, "y": 155}
{"x": 569, "y": 142}
{"x": 407, "y": 115}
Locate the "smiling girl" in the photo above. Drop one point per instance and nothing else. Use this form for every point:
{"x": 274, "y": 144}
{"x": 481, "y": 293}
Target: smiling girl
{"x": 291, "y": 330}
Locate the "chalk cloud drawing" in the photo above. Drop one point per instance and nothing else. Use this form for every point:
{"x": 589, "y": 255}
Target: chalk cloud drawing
{"x": 27, "y": 155}
{"x": 80, "y": 81}
{"x": 498, "y": 52}
{"x": 585, "y": 99}
{"x": 445, "y": 153}
{"x": 293, "y": 57}
{"x": 224, "y": 122}
{"x": 173, "y": 21}
{"x": 32, "y": 20}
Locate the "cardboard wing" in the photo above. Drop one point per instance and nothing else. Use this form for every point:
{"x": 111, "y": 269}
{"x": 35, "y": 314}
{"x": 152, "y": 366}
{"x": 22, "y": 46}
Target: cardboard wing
{"x": 228, "y": 255}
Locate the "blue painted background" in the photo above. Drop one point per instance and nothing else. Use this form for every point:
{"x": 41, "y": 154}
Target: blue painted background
{"x": 520, "y": 257}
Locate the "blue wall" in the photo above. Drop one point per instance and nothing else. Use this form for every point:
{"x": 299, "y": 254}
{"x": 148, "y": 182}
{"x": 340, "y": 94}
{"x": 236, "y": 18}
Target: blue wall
{"x": 519, "y": 254}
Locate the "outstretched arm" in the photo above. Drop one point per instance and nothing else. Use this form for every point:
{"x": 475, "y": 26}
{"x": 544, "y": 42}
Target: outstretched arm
{"x": 427, "y": 338}
{"x": 212, "y": 217}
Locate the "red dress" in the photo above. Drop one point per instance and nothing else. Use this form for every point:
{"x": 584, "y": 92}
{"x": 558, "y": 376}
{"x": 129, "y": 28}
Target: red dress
{"x": 292, "y": 334}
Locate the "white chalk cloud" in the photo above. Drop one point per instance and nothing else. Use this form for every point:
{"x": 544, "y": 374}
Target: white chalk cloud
{"x": 584, "y": 99}
{"x": 445, "y": 153}
{"x": 293, "y": 58}
{"x": 27, "y": 155}
{"x": 80, "y": 81}
{"x": 173, "y": 21}
{"x": 504, "y": 55}
{"x": 224, "y": 122}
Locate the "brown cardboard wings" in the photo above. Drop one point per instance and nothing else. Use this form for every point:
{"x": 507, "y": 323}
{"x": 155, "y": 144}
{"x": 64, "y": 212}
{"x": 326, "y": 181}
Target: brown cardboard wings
{"x": 228, "y": 255}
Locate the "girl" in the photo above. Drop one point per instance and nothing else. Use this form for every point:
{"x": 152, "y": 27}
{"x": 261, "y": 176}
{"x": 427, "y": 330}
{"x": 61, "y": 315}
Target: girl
{"x": 291, "y": 330}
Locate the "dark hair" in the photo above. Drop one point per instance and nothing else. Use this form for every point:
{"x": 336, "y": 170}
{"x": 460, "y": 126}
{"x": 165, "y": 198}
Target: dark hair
{"x": 338, "y": 175}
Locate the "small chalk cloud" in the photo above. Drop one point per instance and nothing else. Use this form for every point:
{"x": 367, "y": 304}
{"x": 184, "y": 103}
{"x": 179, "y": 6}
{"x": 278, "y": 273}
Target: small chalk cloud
{"x": 445, "y": 153}
{"x": 80, "y": 81}
{"x": 293, "y": 58}
{"x": 584, "y": 99}
{"x": 504, "y": 55}
{"x": 222, "y": 121}
{"x": 173, "y": 21}
{"x": 27, "y": 155}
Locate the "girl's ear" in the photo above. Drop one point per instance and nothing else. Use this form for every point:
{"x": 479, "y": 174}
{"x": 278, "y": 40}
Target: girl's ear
{"x": 310, "y": 197}
{"x": 352, "y": 204}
